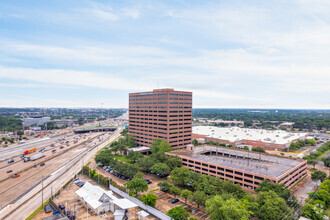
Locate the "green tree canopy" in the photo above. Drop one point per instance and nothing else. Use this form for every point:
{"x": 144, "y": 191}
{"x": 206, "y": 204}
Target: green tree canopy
{"x": 272, "y": 206}
{"x": 149, "y": 199}
{"x": 160, "y": 146}
{"x": 165, "y": 186}
{"x": 230, "y": 209}
{"x": 160, "y": 168}
{"x": 179, "y": 175}
{"x": 136, "y": 185}
{"x": 319, "y": 175}
{"x": 175, "y": 190}
{"x": 186, "y": 194}
{"x": 132, "y": 155}
{"x": 178, "y": 213}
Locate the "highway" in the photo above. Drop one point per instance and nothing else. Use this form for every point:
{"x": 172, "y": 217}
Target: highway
{"x": 58, "y": 172}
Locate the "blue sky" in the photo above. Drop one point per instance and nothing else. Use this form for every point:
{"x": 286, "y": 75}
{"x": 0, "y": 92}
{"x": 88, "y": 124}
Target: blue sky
{"x": 230, "y": 54}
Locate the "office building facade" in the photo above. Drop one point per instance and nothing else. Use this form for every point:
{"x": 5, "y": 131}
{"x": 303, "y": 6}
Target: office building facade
{"x": 161, "y": 113}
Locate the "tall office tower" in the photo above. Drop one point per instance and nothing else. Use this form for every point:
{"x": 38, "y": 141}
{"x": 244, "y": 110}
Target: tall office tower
{"x": 162, "y": 113}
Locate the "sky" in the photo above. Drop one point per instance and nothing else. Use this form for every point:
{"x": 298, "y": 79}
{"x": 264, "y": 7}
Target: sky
{"x": 230, "y": 54}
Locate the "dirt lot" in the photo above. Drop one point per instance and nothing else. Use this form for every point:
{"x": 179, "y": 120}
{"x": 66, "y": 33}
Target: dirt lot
{"x": 67, "y": 196}
{"x": 164, "y": 204}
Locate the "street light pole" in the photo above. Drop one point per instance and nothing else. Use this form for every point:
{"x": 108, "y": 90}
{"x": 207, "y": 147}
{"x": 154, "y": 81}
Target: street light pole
{"x": 42, "y": 191}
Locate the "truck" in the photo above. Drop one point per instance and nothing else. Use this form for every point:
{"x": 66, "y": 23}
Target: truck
{"x": 29, "y": 151}
{"x": 34, "y": 157}
{"x": 37, "y": 156}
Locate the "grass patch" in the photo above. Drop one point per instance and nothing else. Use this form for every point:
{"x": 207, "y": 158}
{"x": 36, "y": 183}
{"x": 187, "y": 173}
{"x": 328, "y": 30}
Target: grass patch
{"x": 312, "y": 170}
{"x": 154, "y": 190}
{"x": 36, "y": 211}
{"x": 88, "y": 164}
{"x": 322, "y": 155}
{"x": 122, "y": 158}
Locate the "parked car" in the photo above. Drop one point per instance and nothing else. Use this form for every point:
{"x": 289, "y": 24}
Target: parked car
{"x": 11, "y": 160}
{"x": 42, "y": 149}
{"x": 16, "y": 175}
{"x": 61, "y": 206}
{"x": 9, "y": 171}
{"x": 53, "y": 151}
{"x": 42, "y": 164}
{"x": 174, "y": 201}
{"x": 56, "y": 212}
{"x": 52, "y": 145}
{"x": 66, "y": 212}
{"x": 47, "y": 209}
{"x": 147, "y": 181}
{"x": 61, "y": 147}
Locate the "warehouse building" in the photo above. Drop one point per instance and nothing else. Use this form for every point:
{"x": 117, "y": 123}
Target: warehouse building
{"x": 161, "y": 113}
{"x": 237, "y": 137}
{"x": 242, "y": 167}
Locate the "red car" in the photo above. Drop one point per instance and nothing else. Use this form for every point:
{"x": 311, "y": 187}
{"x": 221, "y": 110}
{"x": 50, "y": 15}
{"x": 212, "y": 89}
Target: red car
{"x": 16, "y": 175}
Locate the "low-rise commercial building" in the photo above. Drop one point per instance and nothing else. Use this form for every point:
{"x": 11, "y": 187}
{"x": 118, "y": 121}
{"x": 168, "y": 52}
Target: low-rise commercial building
{"x": 242, "y": 167}
{"x": 35, "y": 121}
{"x": 235, "y": 136}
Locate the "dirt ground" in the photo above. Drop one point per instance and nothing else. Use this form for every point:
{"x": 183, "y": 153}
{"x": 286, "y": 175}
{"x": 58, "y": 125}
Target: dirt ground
{"x": 164, "y": 204}
{"x": 68, "y": 197}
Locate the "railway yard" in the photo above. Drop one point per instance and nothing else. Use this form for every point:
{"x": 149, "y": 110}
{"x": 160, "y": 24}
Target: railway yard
{"x": 63, "y": 154}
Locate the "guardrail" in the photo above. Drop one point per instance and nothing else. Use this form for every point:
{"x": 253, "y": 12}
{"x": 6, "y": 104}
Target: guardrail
{"x": 25, "y": 196}
{"x": 147, "y": 208}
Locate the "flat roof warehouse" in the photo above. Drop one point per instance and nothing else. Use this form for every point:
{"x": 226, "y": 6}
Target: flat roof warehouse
{"x": 236, "y": 134}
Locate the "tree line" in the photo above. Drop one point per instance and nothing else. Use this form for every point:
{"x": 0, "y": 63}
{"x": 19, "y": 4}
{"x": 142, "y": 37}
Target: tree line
{"x": 225, "y": 200}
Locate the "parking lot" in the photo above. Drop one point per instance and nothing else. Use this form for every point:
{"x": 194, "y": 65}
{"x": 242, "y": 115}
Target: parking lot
{"x": 164, "y": 204}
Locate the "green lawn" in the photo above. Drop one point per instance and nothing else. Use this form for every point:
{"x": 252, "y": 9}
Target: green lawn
{"x": 122, "y": 158}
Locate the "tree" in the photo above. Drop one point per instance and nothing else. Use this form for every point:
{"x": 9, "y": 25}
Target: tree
{"x": 173, "y": 162}
{"x": 246, "y": 148}
{"x": 186, "y": 194}
{"x": 258, "y": 149}
{"x": 199, "y": 197}
{"x": 165, "y": 186}
{"x": 326, "y": 161}
{"x": 179, "y": 175}
{"x": 160, "y": 168}
{"x": 139, "y": 175}
{"x": 149, "y": 199}
{"x": 319, "y": 175}
{"x": 280, "y": 190}
{"x": 175, "y": 190}
{"x": 160, "y": 146}
{"x": 145, "y": 163}
{"x": 272, "y": 206}
{"x": 195, "y": 142}
{"x": 229, "y": 209}
{"x": 312, "y": 162}
{"x": 136, "y": 185}
{"x": 311, "y": 142}
{"x": 132, "y": 155}
{"x": 178, "y": 213}
{"x": 312, "y": 212}
{"x": 20, "y": 133}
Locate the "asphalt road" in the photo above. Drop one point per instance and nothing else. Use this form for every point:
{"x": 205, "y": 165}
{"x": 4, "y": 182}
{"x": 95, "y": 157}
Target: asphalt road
{"x": 27, "y": 204}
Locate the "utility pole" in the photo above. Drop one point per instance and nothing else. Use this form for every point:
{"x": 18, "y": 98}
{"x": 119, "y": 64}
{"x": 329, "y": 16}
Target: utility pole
{"x": 42, "y": 191}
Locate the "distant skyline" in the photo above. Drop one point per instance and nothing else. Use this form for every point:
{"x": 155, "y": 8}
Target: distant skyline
{"x": 230, "y": 54}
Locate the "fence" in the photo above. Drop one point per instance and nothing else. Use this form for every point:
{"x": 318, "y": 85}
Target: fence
{"x": 147, "y": 208}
